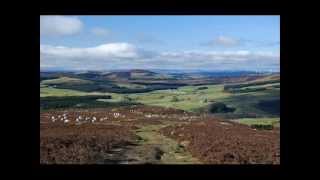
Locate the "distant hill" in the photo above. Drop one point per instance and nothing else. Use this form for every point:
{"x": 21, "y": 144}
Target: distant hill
{"x": 131, "y": 74}
{"x": 161, "y": 78}
{"x": 153, "y": 73}
{"x": 268, "y": 78}
{"x": 88, "y": 75}
{"x": 259, "y": 84}
{"x": 66, "y": 80}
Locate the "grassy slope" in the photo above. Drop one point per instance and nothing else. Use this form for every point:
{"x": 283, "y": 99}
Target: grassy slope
{"x": 48, "y": 91}
{"x": 262, "y": 121}
{"x": 54, "y": 92}
{"x": 247, "y": 102}
{"x": 131, "y": 86}
{"x": 66, "y": 80}
{"x": 189, "y": 98}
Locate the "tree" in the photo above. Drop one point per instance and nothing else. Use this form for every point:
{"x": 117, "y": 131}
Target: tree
{"x": 126, "y": 98}
{"x": 174, "y": 99}
{"x": 220, "y": 108}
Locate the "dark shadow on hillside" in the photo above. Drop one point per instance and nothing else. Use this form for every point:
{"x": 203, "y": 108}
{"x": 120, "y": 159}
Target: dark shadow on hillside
{"x": 270, "y": 106}
{"x": 251, "y": 106}
{"x": 79, "y": 102}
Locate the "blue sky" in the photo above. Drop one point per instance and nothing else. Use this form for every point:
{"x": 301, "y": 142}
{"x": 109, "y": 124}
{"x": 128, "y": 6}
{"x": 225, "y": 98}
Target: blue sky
{"x": 162, "y": 42}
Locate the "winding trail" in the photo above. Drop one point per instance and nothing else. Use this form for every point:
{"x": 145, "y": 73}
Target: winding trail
{"x": 153, "y": 148}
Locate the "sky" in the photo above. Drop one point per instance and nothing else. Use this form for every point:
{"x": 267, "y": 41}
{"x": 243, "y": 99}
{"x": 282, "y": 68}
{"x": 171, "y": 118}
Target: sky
{"x": 216, "y": 43}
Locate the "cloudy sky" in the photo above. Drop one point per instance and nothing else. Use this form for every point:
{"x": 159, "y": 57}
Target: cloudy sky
{"x": 160, "y": 42}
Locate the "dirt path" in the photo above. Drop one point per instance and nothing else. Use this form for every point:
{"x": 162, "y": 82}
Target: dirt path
{"x": 153, "y": 148}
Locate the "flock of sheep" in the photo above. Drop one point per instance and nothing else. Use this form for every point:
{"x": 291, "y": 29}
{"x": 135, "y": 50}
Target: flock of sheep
{"x": 81, "y": 119}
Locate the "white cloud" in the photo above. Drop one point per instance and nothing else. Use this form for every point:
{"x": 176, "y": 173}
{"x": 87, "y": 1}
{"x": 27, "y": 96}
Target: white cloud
{"x": 221, "y": 60}
{"x": 220, "y": 55}
{"x": 98, "y": 31}
{"x": 60, "y": 25}
{"x": 124, "y": 55}
{"x": 225, "y": 41}
{"x": 101, "y": 52}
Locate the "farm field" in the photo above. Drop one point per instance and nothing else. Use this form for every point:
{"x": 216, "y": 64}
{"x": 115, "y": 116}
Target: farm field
{"x": 190, "y": 98}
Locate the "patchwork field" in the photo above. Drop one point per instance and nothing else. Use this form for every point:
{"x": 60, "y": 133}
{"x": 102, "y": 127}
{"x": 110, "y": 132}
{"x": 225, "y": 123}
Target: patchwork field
{"x": 189, "y": 98}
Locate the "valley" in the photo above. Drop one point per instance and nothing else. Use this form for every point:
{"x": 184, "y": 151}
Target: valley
{"x": 144, "y": 117}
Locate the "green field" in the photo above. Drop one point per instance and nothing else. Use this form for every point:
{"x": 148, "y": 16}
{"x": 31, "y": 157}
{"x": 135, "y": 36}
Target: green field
{"x": 188, "y": 97}
{"x": 50, "y": 91}
{"x": 259, "y": 121}
{"x": 66, "y": 80}
{"x": 257, "y": 103}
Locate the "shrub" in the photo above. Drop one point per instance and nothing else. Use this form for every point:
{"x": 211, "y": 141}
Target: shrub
{"x": 174, "y": 99}
{"x": 262, "y": 126}
{"x": 220, "y": 108}
{"x": 202, "y": 88}
{"x": 79, "y": 101}
{"x": 270, "y": 106}
{"x": 246, "y": 90}
{"x": 127, "y": 98}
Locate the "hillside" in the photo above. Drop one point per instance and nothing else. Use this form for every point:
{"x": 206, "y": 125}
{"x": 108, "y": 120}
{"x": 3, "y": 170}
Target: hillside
{"x": 66, "y": 80}
{"x": 131, "y": 74}
{"x": 152, "y": 135}
{"x": 259, "y": 84}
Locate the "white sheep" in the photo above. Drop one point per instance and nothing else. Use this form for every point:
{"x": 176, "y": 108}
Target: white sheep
{"x": 53, "y": 119}
{"x": 105, "y": 118}
{"x": 116, "y": 115}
